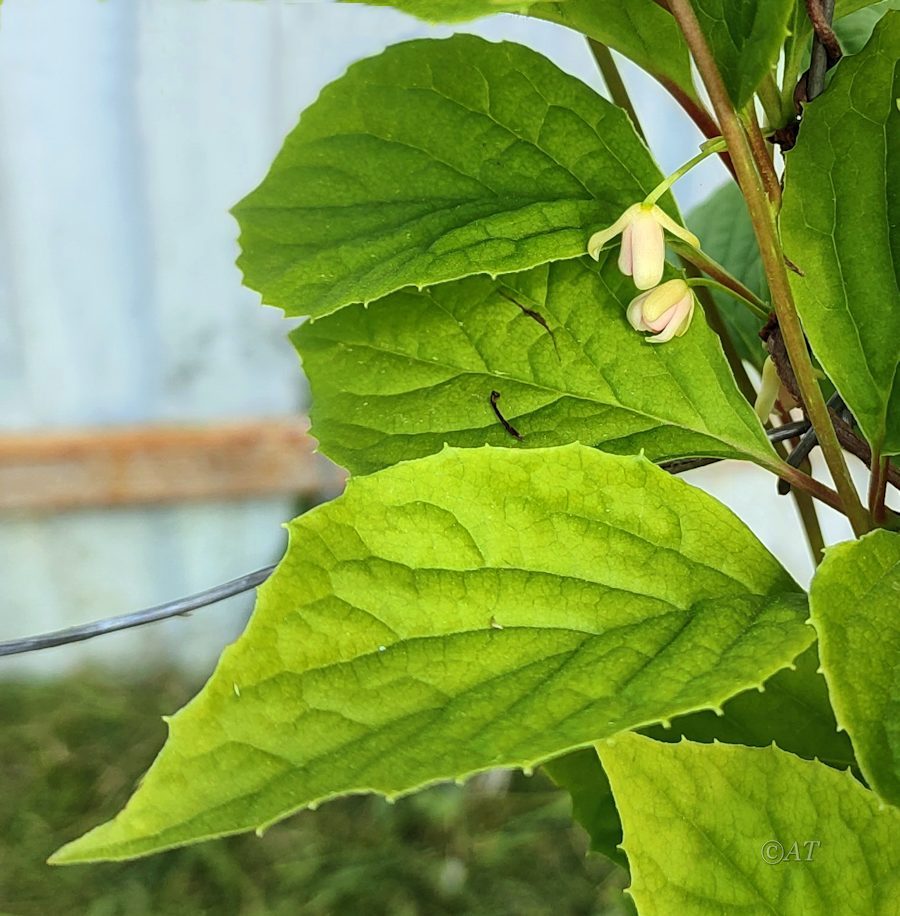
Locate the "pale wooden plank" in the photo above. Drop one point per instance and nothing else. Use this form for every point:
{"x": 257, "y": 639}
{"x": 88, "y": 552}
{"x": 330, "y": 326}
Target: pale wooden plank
{"x": 135, "y": 465}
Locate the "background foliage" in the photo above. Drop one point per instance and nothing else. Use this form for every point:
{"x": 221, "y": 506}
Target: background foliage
{"x": 74, "y": 748}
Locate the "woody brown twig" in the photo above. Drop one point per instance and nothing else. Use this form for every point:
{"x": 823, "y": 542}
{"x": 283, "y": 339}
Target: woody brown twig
{"x": 846, "y": 434}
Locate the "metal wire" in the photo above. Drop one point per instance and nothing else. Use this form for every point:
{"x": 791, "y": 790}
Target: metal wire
{"x": 251, "y": 580}
{"x": 149, "y": 615}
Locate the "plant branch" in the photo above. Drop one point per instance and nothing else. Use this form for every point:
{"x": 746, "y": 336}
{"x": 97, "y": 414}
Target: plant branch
{"x": 878, "y": 480}
{"x": 806, "y": 509}
{"x": 613, "y": 79}
{"x": 846, "y": 434}
{"x": 709, "y": 283}
{"x": 712, "y": 268}
{"x": 762, "y": 154}
{"x": 826, "y": 49}
{"x": 763, "y": 220}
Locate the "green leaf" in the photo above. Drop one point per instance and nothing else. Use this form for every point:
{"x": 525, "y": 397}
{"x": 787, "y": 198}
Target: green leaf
{"x": 450, "y": 10}
{"x": 470, "y": 610}
{"x": 723, "y": 225}
{"x": 854, "y": 600}
{"x": 640, "y": 29}
{"x": 793, "y": 711}
{"x": 797, "y": 47}
{"x": 745, "y": 39}
{"x": 434, "y": 161}
{"x": 593, "y": 806}
{"x": 855, "y": 30}
{"x": 711, "y": 829}
{"x": 401, "y": 377}
{"x": 839, "y": 225}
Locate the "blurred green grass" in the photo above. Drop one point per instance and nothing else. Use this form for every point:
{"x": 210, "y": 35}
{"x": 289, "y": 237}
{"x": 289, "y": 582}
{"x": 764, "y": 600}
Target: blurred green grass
{"x": 72, "y": 750}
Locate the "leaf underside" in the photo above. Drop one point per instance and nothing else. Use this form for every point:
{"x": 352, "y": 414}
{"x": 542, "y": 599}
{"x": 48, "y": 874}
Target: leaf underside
{"x": 475, "y": 609}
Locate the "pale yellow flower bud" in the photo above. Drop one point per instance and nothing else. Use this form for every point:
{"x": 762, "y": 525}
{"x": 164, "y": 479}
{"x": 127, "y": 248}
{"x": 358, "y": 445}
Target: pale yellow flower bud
{"x": 667, "y": 310}
{"x": 643, "y": 252}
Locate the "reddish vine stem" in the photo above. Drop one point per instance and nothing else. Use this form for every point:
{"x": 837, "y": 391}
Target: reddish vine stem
{"x": 766, "y": 232}
{"x": 762, "y": 156}
{"x": 878, "y": 481}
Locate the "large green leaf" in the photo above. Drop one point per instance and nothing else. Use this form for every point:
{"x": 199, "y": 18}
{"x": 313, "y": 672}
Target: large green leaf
{"x": 840, "y": 223}
{"x": 711, "y": 829}
{"x": 854, "y": 603}
{"x": 640, "y": 29}
{"x": 792, "y": 711}
{"x": 474, "y": 609}
{"x": 403, "y": 376}
{"x": 723, "y": 224}
{"x": 450, "y": 10}
{"x": 433, "y": 161}
{"x": 745, "y": 39}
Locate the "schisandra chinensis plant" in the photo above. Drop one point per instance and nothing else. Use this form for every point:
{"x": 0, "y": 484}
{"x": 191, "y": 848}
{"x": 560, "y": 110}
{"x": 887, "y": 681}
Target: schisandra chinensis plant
{"x": 515, "y": 575}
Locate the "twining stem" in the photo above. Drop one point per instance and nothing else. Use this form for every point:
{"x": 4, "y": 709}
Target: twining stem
{"x": 806, "y": 509}
{"x": 762, "y": 155}
{"x": 809, "y": 518}
{"x": 796, "y": 478}
{"x": 826, "y": 49}
{"x": 611, "y": 76}
{"x": 878, "y": 480}
{"x": 763, "y": 219}
{"x": 714, "y": 269}
{"x": 714, "y": 284}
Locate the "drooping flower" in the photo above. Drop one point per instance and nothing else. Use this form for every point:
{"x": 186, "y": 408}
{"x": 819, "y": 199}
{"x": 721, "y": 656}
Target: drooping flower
{"x": 643, "y": 252}
{"x": 666, "y": 310}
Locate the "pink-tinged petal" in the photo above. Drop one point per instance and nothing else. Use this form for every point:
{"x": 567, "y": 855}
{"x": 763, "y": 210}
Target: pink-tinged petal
{"x": 664, "y": 336}
{"x": 648, "y": 250}
{"x": 634, "y": 312}
{"x": 625, "y": 252}
{"x": 668, "y": 223}
{"x": 659, "y": 324}
{"x": 601, "y": 238}
{"x": 678, "y": 323}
